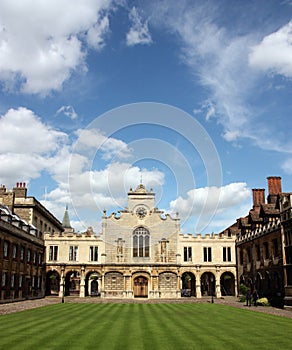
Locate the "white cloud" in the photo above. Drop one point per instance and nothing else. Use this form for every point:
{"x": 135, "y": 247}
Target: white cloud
{"x": 27, "y": 145}
{"x": 41, "y": 43}
{"x": 218, "y": 58}
{"x": 274, "y": 53}
{"x": 108, "y": 187}
{"x": 139, "y": 32}
{"x": 94, "y": 140}
{"x": 219, "y": 204}
{"x": 68, "y": 111}
{"x": 23, "y": 132}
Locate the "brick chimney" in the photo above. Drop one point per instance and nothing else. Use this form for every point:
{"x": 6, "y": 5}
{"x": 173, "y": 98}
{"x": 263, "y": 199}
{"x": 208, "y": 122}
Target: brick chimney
{"x": 20, "y": 190}
{"x": 258, "y": 195}
{"x": 275, "y": 187}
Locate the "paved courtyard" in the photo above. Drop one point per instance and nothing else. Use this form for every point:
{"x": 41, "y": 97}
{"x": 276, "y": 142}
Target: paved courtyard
{"x": 231, "y": 301}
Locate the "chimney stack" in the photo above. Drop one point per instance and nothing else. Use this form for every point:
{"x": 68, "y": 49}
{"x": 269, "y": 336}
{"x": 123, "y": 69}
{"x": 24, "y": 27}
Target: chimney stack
{"x": 20, "y": 190}
{"x": 258, "y": 195}
{"x": 275, "y": 188}
{"x": 2, "y": 189}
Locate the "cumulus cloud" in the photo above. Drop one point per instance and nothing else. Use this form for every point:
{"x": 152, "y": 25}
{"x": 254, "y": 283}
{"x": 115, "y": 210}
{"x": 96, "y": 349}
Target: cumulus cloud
{"x": 23, "y": 132}
{"x": 221, "y": 204}
{"x": 139, "y": 32}
{"x": 27, "y": 145}
{"x": 42, "y": 43}
{"x": 274, "y": 52}
{"x": 29, "y": 148}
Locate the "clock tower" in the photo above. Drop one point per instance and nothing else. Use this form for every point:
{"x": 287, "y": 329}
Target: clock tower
{"x": 141, "y": 201}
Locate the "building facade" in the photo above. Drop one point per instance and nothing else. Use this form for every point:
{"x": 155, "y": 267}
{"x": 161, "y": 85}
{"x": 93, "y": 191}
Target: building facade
{"x": 286, "y": 220}
{"x": 140, "y": 252}
{"x": 23, "y": 221}
{"x": 263, "y": 244}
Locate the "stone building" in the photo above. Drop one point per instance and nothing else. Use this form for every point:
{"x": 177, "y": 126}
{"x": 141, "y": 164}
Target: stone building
{"x": 286, "y": 221}
{"x": 263, "y": 244}
{"x": 140, "y": 252}
{"x": 23, "y": 221}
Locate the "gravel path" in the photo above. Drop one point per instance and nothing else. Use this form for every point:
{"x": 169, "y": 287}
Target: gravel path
{"x": 231, "y": 301}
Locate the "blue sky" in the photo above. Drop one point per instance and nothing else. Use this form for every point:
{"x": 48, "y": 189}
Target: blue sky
{"x": 194, "y": 96}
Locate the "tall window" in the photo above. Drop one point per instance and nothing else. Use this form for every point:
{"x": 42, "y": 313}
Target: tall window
{"x": 226, "y": 253}
{"x": 21, "y": 253}
{"x": 4, "y": 278}
{"x": 141, "y": 240}
{"x": 73, "y": 253}
{"x": 28, "y": 255}
{"x": 6, "y": 249}
{"x": 207, "y": 254}
{"x": 53, "y": 253}
{"x": 93, "y": 253}
{"x": 12, "y": 280}
{"x": 187, "y": 253}
{"x": 14, "y": 251}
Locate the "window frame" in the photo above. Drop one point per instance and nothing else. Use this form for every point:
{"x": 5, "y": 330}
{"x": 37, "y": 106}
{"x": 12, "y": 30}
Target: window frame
{"x": 141, "y": 242}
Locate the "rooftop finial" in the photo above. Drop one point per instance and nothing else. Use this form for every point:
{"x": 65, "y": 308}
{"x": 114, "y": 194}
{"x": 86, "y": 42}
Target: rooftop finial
{"x": 141, "y": 179}
{"x": 66, "y": 220}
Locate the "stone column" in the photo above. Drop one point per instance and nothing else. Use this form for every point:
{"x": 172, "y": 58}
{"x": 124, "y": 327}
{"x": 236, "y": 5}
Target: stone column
{"x": 102, "y": 292}
{"x": 62, "y": 283}
{"x": 217, "y": 287}
{"x": 82, "y": 283}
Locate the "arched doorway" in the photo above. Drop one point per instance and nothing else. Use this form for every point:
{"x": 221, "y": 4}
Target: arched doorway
{"x": 227, "y": 282}
{"x": 188, "y": 284}
{"x": 92, "y": 284}
{"x": 141, "y": 287}
{"x": 52, "y": 283}
{"x": 208, "y": 283}
{"x": 72, "y": 283}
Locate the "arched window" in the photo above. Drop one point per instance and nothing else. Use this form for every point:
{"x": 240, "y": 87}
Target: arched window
{"x": 141, "y": 240}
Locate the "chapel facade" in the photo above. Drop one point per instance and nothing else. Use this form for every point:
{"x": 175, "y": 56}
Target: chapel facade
{"x": 139, "y": 253}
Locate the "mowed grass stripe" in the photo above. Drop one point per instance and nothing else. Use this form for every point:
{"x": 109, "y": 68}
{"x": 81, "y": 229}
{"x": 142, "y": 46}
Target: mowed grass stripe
{"x": 63, "y": 325}
{"x": 28, "y": 324}
{"x": 143, "y": 326}
{"x": 75, "y": 324}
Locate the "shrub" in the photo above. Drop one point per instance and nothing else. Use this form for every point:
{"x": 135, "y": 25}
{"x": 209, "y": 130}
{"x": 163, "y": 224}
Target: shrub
{"x": 263, "y": 302}
{"x": 243, "y": 289}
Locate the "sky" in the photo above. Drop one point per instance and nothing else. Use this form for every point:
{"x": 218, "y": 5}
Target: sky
{"x": 191, "y": 98}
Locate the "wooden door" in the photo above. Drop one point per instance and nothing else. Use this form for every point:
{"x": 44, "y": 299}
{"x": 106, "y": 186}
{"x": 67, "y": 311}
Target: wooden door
{"x": 141, "y": 287}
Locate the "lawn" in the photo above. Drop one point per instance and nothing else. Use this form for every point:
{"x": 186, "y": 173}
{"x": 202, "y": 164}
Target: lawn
{"x": 143, "y": 326}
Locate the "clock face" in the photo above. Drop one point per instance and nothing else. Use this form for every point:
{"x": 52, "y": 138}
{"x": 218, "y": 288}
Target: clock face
{"x": 141, "y": 212}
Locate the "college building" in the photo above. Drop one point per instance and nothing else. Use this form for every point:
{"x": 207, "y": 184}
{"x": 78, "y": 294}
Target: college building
{"x": 140, "y": 251}
{"x": 264, "y": 244}
{"x": 23, "y": 222}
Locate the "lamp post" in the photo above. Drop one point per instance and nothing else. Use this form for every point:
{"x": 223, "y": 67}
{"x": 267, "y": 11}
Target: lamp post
{"x": 63, "y": 293}
{"x": 212, "y": 289}
{"x": 63, "y": 284}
